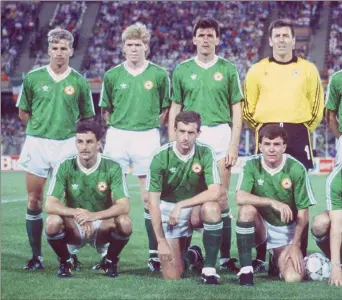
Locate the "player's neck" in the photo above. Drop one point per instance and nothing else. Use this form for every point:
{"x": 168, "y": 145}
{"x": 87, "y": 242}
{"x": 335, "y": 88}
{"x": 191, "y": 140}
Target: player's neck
{"x": 283, "y": 58}
{"x": 136, "y": 66}
{"x": 59, "y": 69}
{"x": 206, "y": 59}
{"x": 88, "y": 164}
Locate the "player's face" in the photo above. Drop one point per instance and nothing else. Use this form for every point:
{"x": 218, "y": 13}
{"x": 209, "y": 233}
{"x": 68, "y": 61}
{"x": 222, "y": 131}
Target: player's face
{"x": 272, "y": 151}
{"x": 186, "y": 135}
{"x": 60, "y": 53}
{"x": 206, "y": 41}
{"x": 282, "y": 42}
{"x": 134, "y": 50}
{"x": 87, "y": 146}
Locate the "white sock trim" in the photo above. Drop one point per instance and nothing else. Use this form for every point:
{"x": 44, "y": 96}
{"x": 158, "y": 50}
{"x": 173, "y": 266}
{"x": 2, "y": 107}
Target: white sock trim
{"x": 209, "y": 271}
{"x": 245, "y": 270}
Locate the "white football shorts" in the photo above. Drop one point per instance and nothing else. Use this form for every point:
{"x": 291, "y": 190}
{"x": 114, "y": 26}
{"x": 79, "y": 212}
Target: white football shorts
{"x": 339, "y": 151}
{"x": 39, "y": 156}
{"x": 183, "y": 228}
{"x": 132, "y": 147}
{"x": 278, "y": 236}
{"x": 217, "y": 137}
{"x": 73, "y": 249}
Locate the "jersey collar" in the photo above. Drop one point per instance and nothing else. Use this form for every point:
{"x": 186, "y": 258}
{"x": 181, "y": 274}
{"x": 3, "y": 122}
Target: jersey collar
{"x": 58, "y": 77}
{"x": 294, "y": 59}
{"x": 182, "y": 157}
{"x": 136, "y": 72}
{"x": 276, "y": 170}
{"x": 206, "y": 65}
{"x": 93, "y": 168}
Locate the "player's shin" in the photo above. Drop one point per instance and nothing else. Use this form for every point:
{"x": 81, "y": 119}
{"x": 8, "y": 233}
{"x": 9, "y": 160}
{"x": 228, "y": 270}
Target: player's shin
{"x": 323, "y": 243}
{"x": 226, "y": 234}
{"x": 34, "y": 228}
{"x": 59, "y": 245}
{"x": 245, "y": 242}
{"x": 117, "y": 243}
{"x": 152, "y": 241}
{"x": 212, "y": 237}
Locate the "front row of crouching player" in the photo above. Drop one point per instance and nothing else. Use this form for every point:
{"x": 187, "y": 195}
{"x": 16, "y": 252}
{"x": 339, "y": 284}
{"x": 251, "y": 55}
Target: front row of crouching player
{"x": 96, "y": 206}
{"x": 183, "y": 184}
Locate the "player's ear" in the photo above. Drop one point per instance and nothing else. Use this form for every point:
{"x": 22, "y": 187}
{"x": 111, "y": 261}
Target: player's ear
{"x": 71, "y": 51}
{"x": 293, "y": 43}
{"x": 194, "y": 41}
{"x": 217, "y": 41}
{"x": 270, "y": 42}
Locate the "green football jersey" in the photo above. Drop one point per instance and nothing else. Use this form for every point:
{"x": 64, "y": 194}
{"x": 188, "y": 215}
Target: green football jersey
{"x": 210, "y": 92}
{"x": 333, "y": 99}
{"x": 91, "y": 189}
{"x": 54, "y": 107}
{"x": 136, "y": 101}
{"x": 289, "y": 184}
{"x": 179, "y": 178}
{"x": 334, "y": 189}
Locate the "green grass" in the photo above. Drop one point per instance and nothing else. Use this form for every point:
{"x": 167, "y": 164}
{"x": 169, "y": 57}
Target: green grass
{"x": 135, "y": 282}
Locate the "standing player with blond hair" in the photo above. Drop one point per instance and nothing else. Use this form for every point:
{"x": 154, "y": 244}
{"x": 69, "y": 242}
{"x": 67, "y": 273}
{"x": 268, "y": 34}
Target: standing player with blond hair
{"x": 134, "y": 97}
{"x": 210, "y": 85}
{"x": 51, "y": 100}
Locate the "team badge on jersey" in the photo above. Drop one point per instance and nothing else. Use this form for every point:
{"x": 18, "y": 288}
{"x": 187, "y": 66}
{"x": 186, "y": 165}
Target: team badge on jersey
{"x": 196, "y": 168}
{"x": 148, "y": 85}
{"x": 69, "y": 90}
{"x": 102, "y": 186}
{"x": 286, "y": 183}
{"x": 296, "y": 72}
{"x": 218, "y": 76}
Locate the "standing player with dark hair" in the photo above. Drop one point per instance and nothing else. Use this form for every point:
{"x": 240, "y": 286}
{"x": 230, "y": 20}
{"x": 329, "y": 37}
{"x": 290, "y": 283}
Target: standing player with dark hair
{"x": 210, "y": 85}
{"x": 327, "y": 226}
{"x": 287, "y": 90}
{"x": 183, "y": 176}
{"x": 50, "y": 102}
{"x": 135, "y": 96}
{"x": 274, "y": 194}
{"x": 95, "y": 208}
{"x": 333, "y": 104}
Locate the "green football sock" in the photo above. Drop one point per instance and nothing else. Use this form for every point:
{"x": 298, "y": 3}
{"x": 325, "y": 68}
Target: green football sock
{"x": 245, "y": 242}
{"x": 212, "y": 237}
{"x": 261, "y": 251}
{"x": 34, "y": 229}
{"x": 58, "y": 244}
{"x": 152, "y": 241}
{"x": 188, "y": 242}
{"x": 116, "y": 245}
{"x": 226, "y": 234}
{"x": 188, "y": 259}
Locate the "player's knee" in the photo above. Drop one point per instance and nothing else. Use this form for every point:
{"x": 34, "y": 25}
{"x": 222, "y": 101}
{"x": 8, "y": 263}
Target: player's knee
{"x": 320, "y": 225}
{"x": 144, "y": 198}
{"x": 124, "y": 225}
{"x": 53, "y": 224}
{"x": 35, "y": 200}
{"x": 247, "y": 213}
{"x": 211, "y": 212}
{"x": 292, "y": 277}
{"x": 223, "y": 197}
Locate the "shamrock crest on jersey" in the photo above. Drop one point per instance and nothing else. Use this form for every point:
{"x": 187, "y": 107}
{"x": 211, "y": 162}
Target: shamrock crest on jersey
{"x": 196, "y": 168}
{"x": 286, "y": 183}
{"x": 218, "y": 76}
{"x": 148, "y": 85}
{"x": 69, "y": 90}
{"x": 102, "y": 186}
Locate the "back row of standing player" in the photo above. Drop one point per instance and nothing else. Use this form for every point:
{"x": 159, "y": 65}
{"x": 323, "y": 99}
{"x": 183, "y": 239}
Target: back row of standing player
{"x": 135, "y": 100}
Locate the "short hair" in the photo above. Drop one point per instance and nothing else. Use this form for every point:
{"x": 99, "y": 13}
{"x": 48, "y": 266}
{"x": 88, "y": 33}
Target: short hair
{"x": 57, "y": 34}
{"x": 89, "y": 126}
{"x": 206, "y": 23}
{"x": 273, "y": 131}
{"x": 137, "y": 31}
{"x": 187, "y": 117}
{"x": 281, "y": 23}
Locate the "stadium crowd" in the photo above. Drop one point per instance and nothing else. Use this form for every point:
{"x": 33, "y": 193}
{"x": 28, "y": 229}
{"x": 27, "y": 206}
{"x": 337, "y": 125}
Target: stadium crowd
{"x": 17, "y": 18}
{"x": 242, "y": 27}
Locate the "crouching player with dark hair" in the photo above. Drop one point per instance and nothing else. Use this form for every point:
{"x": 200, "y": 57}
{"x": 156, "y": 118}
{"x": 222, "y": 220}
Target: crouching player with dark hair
{"x": 274, "y": 194}
{"x": 88, "y": 203}
{"x": 184, "y": 187}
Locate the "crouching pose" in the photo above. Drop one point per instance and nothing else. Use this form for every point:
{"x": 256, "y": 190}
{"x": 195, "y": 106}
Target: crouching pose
{"x": 88, "y": 203}
{"x": 274, "y": 194}
{"x": 327, "y": 226}
{"x": 184, "y": 188}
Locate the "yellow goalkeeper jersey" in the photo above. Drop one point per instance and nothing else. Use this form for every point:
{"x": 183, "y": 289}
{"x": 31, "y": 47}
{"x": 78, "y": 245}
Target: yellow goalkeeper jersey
{"x": 289, "y": 92}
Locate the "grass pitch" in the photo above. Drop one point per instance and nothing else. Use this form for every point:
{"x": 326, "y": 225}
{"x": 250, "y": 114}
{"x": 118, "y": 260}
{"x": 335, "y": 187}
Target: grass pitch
{"x": 135, "y": 281}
